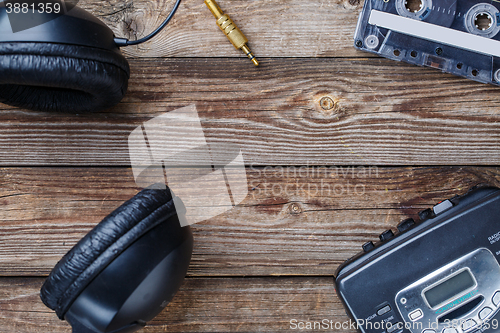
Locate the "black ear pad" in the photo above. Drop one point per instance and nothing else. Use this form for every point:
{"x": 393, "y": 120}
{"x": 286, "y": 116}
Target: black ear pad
{"x": 102, "y": 245}
{"x": 60, "y": 77}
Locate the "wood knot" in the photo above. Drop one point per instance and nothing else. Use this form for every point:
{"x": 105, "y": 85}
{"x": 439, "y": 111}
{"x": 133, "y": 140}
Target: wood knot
{"x": 327, "y": 103}
{"x": 295, "y": 209}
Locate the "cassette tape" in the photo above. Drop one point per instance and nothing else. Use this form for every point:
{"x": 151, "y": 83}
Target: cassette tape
{"x": 458, "y": 37}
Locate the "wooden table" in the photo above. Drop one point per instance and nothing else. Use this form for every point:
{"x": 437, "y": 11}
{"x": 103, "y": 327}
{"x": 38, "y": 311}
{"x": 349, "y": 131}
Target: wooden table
{"x": 394, "y": 138}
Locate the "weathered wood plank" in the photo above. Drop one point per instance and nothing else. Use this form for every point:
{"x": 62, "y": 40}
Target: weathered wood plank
{"x": 295, "y": 221}
{"x": 282, "y": 28}
{"x": 202, "y": 305}
{"x": 384, "y": 113}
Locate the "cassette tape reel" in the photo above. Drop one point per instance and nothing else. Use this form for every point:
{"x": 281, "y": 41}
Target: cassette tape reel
{"x": 458, "y": 37}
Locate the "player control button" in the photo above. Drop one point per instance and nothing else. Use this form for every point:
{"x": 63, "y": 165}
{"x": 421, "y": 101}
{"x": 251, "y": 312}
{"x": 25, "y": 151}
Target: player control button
{"x": 417, "y": 314}
{"x": 395, "y": 327}
{"x": 468, "y": 325}
{"x": 368, "y": 246}
{"x": 386, "y": 235}
{"x": 496, "y": 298}
{"x": 442, "y": 207}
{"x": 406, "y": 224}
{"x": 426, "y": 214}
{"x": 455, "y": 200}
{"x": 484, "y": 313}
{"x": 384, "y": 310}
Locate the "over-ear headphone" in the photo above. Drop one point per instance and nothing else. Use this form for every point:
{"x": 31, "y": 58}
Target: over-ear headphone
{"x": 125, "y": 270}
{"x": 69, "y": 62}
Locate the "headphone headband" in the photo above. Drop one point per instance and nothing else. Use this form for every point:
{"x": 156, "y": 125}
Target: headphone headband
{"x": 76, "y": 27}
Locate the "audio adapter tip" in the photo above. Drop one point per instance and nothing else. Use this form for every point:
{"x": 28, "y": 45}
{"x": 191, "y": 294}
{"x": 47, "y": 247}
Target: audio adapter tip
{"x": 232, "y": 32}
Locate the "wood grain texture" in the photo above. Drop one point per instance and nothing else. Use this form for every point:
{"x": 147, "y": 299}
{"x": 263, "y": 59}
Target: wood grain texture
{"x": 201, "y": 305}
{"x": 270, "y": 259}
{"x": 295, "y": 220}
{"x": 284, "y": 28}
{"x": 401, "y": 115}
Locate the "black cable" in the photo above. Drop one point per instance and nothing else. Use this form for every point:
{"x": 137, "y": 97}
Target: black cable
{"x": 126, "y": 42}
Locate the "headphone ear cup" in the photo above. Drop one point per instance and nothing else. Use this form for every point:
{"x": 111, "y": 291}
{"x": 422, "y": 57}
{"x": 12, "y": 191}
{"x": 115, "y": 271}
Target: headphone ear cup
{"x": 103, "y": 244}
{"x": 58, "y": 77}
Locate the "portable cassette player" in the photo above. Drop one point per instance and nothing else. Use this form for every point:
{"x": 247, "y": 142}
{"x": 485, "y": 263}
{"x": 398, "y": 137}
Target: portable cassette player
{"x": 440, "y": 275}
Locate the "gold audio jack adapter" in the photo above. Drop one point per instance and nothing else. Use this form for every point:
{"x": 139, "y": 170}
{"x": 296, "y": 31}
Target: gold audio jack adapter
{"x": 235, "y": 36}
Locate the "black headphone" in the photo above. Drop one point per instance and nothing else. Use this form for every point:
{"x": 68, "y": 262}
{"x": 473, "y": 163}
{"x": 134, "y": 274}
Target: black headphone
{"x": 125, "y": 270}
{"x": 66, "y": 61}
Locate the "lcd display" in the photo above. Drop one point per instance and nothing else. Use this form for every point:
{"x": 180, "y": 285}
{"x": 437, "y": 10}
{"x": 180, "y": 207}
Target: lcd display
{"x": 449, "y": 288}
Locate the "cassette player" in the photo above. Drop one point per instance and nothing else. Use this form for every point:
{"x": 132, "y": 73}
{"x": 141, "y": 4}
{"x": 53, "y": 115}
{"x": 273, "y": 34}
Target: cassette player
{"x": 456, "y": 36}
{"x": 438, "y": 275}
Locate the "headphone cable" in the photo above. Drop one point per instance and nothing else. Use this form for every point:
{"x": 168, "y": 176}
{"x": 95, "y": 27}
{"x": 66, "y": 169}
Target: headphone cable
{"x": 125, "y": 42}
